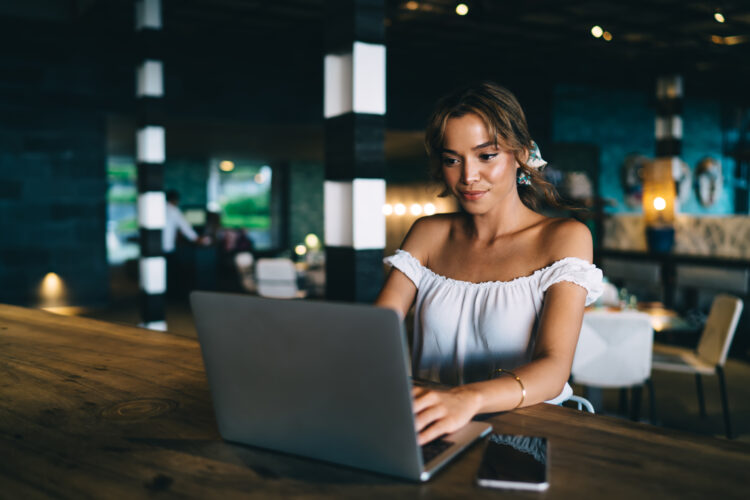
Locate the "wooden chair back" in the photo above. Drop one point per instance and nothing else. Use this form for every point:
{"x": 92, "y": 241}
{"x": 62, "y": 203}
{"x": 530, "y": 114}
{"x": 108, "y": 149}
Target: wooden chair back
{"x": 718, "y": 333}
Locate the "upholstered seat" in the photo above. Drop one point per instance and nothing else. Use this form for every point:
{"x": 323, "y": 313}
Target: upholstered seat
{"x": 277, "y": 278}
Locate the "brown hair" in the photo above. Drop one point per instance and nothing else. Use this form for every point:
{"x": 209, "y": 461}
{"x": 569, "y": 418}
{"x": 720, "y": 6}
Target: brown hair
{"x": 505, "y": 121}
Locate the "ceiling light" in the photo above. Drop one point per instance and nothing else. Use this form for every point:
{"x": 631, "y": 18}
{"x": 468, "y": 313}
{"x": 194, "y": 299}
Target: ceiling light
{"x": 462, "y": 9}
{"x": 597, "y": 31}
{"x": 415, "y": 209}
{"x": 226, "y": 166}
{"x": 412, "y": 5}
{"x": 607, "y": 36}
{"x": 429, "y": 209}
{"x": 399, "y": 209}
{"x": 729, "y": 40}
{"x": 719, "y": 16}
{"x": 300, "y": 250}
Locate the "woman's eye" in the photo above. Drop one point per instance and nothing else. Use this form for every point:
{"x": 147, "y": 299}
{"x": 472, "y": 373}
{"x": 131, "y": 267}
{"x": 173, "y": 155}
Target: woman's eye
{"x": 487, "y": 156}
{"x": 449, "y": 161}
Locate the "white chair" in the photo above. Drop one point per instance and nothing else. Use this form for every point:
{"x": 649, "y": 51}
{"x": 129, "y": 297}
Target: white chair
{"x": 614, "y": 351}
{"x": 710, "y": 355}
{"x": 582, "y": 403}
{"x": 277, "y": 278}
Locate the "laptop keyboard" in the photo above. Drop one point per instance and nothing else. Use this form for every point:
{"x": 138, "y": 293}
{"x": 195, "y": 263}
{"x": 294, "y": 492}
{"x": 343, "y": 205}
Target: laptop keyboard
{"x": 434, "y": 448}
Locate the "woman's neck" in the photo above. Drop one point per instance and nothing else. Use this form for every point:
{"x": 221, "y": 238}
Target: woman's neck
{"x": 502, "y": 221}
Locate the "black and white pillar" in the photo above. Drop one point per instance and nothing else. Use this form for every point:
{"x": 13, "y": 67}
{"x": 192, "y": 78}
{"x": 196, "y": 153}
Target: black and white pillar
{"x": 668, "y": 126}
{"x": 354, "y": 111}
{"x": 150, "y": 157}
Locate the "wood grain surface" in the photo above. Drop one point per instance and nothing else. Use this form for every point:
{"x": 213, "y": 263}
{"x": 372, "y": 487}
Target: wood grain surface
{"x": 90, "y": 409}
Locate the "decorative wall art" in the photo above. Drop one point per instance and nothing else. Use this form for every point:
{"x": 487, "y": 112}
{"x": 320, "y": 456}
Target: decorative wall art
{"x": 683, "y": 179}
{"x": 708, "y": 181}
{"x": 632, "y": 178}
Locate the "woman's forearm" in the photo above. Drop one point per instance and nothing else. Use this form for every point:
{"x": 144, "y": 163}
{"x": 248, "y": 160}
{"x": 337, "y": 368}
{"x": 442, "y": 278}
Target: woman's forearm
{"x": 543, "y": 379}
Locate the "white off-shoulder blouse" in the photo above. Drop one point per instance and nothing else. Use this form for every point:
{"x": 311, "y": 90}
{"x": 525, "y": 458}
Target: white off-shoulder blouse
{"x": 464, "y": 331}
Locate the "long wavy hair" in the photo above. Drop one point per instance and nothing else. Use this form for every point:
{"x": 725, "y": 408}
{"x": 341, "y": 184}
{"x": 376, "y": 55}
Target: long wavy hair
{"x": 505, "y": 121}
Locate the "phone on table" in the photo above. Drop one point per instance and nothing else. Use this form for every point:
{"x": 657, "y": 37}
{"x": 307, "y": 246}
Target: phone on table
{"x": 515, "y": 462}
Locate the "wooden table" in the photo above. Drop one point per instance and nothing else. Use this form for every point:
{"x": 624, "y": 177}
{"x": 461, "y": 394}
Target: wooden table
{"x": 93, "y": 409}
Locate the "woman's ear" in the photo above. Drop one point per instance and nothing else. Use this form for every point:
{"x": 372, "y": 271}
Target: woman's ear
{"x": 522, "y": 157}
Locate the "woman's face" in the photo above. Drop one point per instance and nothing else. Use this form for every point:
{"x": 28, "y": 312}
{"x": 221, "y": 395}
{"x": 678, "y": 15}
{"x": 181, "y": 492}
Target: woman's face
{"x": 479, "y": 173}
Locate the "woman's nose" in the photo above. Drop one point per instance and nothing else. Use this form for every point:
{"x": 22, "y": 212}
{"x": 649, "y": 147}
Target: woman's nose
{"x": 470, "y": 172}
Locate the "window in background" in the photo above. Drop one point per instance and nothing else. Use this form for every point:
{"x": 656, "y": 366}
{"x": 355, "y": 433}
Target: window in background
{"x": 122, "y": 211}
{"x": 242, "y": 195}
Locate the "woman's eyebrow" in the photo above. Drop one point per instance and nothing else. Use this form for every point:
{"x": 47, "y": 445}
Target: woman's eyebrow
{"x": 480, "y": 146}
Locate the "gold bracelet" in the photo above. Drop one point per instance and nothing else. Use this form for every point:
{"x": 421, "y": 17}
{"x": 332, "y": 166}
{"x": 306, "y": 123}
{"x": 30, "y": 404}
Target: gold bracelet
{"x": 518, "y": 379}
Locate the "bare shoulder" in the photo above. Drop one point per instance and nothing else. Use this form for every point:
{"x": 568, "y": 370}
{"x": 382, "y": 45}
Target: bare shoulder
{"x": 425, "y": 233}
{"x": 565, "y": 237}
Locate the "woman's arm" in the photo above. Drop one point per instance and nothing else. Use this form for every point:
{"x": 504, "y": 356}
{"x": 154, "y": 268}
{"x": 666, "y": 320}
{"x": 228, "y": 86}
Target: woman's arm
{"x": 399, "y": 291}
{"x": 443, "y": 412}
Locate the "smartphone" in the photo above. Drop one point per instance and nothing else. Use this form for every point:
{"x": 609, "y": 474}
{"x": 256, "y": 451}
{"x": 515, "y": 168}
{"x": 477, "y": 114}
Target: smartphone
{"x": 515, "y": 462}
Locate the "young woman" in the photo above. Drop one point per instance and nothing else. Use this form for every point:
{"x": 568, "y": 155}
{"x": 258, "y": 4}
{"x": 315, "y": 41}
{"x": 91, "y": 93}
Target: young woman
{"x": 499, "y": 288}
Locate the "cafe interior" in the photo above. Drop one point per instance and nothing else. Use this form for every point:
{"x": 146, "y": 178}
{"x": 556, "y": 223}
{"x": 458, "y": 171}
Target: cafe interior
{"x": 293, "y": 133}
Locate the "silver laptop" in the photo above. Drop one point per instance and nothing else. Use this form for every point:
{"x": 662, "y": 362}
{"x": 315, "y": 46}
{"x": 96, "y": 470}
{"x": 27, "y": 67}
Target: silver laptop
{"x": 319, "y": 379}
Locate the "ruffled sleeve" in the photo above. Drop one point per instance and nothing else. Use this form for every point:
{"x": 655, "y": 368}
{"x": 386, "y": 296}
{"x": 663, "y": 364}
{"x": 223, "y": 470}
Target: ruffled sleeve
{"x": 577, "y": 271}
{"x": 407, "y": 264}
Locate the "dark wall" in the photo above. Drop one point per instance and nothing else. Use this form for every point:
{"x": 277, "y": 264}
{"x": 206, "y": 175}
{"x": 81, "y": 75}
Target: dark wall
{"x": 52, "y": 202}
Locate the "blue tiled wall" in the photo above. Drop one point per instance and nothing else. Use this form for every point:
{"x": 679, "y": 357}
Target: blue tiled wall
{"x": 620, "y": 122}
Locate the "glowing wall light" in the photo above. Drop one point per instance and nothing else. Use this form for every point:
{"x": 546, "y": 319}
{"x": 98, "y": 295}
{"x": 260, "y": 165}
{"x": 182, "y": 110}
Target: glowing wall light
{"x": 52, "y": 287}
{"x": 659, "y": 203}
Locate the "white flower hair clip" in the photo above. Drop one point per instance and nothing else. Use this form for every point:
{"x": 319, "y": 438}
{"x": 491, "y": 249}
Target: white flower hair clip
{"x": 535, "y": 160}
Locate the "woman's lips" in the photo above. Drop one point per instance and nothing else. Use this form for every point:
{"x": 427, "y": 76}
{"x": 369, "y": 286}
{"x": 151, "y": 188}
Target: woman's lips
{"x": 472, "y": 195}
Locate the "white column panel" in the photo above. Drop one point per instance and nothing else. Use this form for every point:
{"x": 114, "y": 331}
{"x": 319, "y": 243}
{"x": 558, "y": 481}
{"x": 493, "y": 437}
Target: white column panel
{"x": 337, "y": 94}
{"x": 150, "y": 79}
{"x": 675, "y": 127}
{"x": 152, "y": 210}
{"x": 150, "y": 144}
{"x": 148, "y": 14}
{"x": 369, "y": 78}
{"x": 368, "y": 198}
{"x": 660, "y": 127}
{"x": 153, "y": 274}
{"x": 668, "y": 127}
{"x": 338, "y": 213}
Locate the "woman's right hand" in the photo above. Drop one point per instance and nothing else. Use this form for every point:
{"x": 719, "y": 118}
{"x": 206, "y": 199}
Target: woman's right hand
{"x": 440, "y": 412}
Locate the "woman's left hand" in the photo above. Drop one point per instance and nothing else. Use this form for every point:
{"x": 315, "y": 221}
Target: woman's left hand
{"x": 442, "y": 412}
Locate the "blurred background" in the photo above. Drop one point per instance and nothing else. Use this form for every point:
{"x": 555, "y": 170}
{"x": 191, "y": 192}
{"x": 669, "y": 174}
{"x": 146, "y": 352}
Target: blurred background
{"x": 246, "y": 142}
